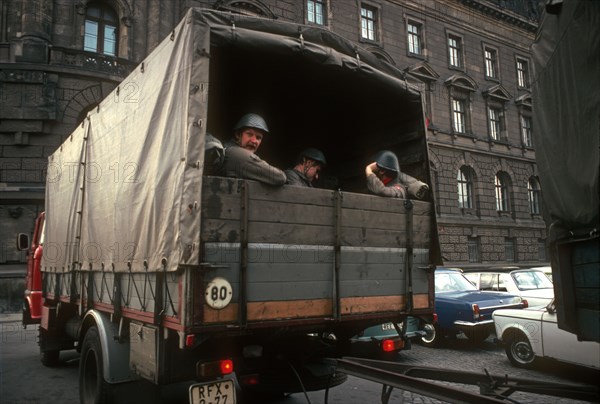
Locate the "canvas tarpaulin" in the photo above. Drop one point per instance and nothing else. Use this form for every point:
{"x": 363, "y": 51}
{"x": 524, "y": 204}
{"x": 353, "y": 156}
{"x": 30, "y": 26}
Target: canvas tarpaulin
{"x": 566, "y": 129}
{"x": 134, "y": 203}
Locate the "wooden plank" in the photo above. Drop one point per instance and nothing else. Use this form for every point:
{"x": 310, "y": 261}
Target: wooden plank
{"x": 290, "y": 194}
{"x": 379, "y": 220}
{"x": 264, "y": 291}
{"x": 289, "y": 309}
{"x": 421, "y": 301}
{"x": 361, "y": 305}
{"x": 290, "y": 272}
{"x": 225, "y": 315}
{"x": 383, "y": 204}
{"x": 360, "y": 237}
{"x": 372, "y": 287}
{"x": 221, "y": 207}
{"x": 374, "y": 272}
{"x": 293, "y": 213}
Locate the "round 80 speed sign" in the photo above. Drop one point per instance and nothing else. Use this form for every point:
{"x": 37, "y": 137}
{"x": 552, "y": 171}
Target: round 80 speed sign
{"x": 218, "y": 293}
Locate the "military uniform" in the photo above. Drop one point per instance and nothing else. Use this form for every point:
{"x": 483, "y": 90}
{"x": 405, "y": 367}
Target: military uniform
{"x": 241, "y": 163}
{"x": 296, "y": 178}
{"x": 393, "y": 189}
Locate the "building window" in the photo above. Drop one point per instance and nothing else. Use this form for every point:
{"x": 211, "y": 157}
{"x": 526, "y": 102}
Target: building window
{"x": 368, "y": 23}
{"x": 455, "y": 51}
{"x": 465, "y": 188}
{"x": 502, "y": 197}
{"x": 509, "y": 249}
{"x": 495, "y": 122}
{"x": 491, "y": 63}
{"x": 458, "y": 115}
{"x": 522, "y": 73}
{"x": 414, "y": 31}
{"x": 542, "y": 250}
{"x": 316, "y": 11}
{"x": 101, "y": 29}
{"x": 535, "y": 196}
{"x": 526, "y": 131}
{"x": 473, "y": 249}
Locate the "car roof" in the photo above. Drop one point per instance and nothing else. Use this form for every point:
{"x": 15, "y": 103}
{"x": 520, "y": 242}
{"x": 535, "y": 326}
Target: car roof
{"x": 505, "y": 270}
{"x": 448, "y": 269}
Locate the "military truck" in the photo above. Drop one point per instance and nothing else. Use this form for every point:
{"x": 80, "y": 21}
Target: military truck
{"x": 567, "y": 139}
{"x": 154, "y": 270}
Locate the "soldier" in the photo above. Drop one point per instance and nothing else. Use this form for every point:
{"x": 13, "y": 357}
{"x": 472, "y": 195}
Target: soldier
{"x": 384, "y": 178}
{"x": 306, "y": 171}
{"x": 240, "y": 158}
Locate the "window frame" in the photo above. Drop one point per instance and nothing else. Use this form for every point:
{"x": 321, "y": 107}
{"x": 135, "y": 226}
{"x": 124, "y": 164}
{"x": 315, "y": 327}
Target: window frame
{"x": 526, "y": 131}
{"x": 419, "y": 35}
{"x": 523, "y": 74}
{"x": 458, "y": 113}
{"x": 510, "y": 249}
{"x": 102, "y": 22}
{"x": 473, "y": 249}
{"x": 497, "y": 124}
{"x": 455, "y": 52}
{"x": 324, "y": 12}
{"x": 502, "y": 192}
{"x": 465, "y": 187}
{"x": 534, "y": 196}
{"x": 368, "y": 7}
{"x": 493, "y": 63}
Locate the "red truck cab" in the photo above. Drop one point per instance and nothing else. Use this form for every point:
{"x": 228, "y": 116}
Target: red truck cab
{"x": 32, "y": 300}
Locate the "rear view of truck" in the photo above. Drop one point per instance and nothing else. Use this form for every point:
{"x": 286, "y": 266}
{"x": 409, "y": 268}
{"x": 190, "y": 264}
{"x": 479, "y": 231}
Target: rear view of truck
{"x": 154, "y": 270}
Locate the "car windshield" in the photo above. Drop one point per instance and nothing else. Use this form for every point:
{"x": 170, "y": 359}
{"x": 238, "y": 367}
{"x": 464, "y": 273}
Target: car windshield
{"x": 452, "y": 282}
{"x": 527, "y": 280}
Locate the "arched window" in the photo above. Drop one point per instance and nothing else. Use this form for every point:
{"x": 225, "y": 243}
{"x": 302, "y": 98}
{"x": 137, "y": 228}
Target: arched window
{"x": 101, "y": 31}
{"x": 502, "y": 196}
{"x": 534, "y": 193}
{"x": 465, "y": 187}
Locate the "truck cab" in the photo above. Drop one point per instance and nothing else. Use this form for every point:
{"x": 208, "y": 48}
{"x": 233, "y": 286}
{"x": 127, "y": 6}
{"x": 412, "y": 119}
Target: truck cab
{"x": 32, "y": 299}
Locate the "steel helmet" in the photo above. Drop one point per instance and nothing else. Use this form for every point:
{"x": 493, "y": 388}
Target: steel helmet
{"x": 388, "y": 161}
{"x": 314, "y": 154}
{"x": 252, "y": 121}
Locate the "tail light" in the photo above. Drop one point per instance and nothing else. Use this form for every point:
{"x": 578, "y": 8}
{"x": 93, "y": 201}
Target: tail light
{"x": 475, "y": 311}
{"x": 525, "y": 304}
{"x": 435, "y": 318}
{"x": 390, "y": 345}
{"x": 214, "y": 369}
{"x": 249, "y": 380}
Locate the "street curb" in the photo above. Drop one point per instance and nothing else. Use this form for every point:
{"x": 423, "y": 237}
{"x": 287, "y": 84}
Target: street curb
{"x": 10, "y": 317}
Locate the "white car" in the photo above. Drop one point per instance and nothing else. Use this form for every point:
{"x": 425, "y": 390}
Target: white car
{"x": 533, "y": 333}
{"x": 531, "y": 284}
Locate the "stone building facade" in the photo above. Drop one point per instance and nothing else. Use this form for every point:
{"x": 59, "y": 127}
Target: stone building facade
{"x": 59, "y": 58}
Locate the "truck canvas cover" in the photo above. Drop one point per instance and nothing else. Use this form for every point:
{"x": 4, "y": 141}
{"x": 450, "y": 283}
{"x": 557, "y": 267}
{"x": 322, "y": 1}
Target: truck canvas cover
{"x": 131, "y": 175}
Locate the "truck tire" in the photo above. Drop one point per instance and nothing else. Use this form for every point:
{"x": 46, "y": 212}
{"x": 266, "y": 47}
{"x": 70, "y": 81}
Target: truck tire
{"x": 433, "y": 337}
{"x": 92, "y": 387}
{"x": 49, "y": 358}
{"x": 520, "y": 353}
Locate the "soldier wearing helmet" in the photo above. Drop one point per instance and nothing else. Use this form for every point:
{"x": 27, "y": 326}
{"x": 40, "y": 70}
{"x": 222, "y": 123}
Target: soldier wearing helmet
{"x": 384, "y": 178}
{"x": 308, "y": 165}
{"x": 240, "y": 158}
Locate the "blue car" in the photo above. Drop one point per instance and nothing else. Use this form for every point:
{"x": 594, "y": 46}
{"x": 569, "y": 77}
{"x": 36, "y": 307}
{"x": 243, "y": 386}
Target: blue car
{"x": 461, "y": 308}
{"x": 383, "y": 341}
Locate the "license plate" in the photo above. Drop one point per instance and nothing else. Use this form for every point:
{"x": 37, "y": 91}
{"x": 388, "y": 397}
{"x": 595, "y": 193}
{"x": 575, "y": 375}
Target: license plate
{"x": 387, "y": 326}
{"x": 221, "y": 392}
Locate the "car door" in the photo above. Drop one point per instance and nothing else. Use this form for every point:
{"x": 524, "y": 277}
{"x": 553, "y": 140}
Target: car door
{"x": 562, "y": 345}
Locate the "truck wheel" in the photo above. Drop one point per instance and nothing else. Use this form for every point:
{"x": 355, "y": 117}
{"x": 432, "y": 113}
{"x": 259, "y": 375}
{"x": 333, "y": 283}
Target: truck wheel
{"x": 49, "y": 358}
{"x": 520, "y": 353}
{"x": 92, "y": 387}
{"x": 433, "y": 337}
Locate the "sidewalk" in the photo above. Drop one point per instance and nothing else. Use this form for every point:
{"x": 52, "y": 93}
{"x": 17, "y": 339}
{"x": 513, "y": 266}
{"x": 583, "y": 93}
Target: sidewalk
{"x": 10, "y": 317}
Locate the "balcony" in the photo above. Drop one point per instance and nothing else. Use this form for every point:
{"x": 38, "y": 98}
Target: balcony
{"x": 91, "y": 61}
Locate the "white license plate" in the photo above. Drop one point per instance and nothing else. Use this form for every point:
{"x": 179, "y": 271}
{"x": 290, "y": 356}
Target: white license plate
{"x": 387, "y": 326}
{"x": 222, "y": 392}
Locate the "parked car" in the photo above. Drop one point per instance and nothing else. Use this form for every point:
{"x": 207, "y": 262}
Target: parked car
{"x": 531, "y": 284}
{"x": 462, "y": 308}
{"x": 531, "y": 334}
{"x": 547, "y": 270}
{"x": 383, "y": 341}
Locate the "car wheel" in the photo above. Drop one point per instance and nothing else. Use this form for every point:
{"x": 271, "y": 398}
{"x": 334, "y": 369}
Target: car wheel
{"x": 433, "y": 337}
{"x": 520, "y": 353}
